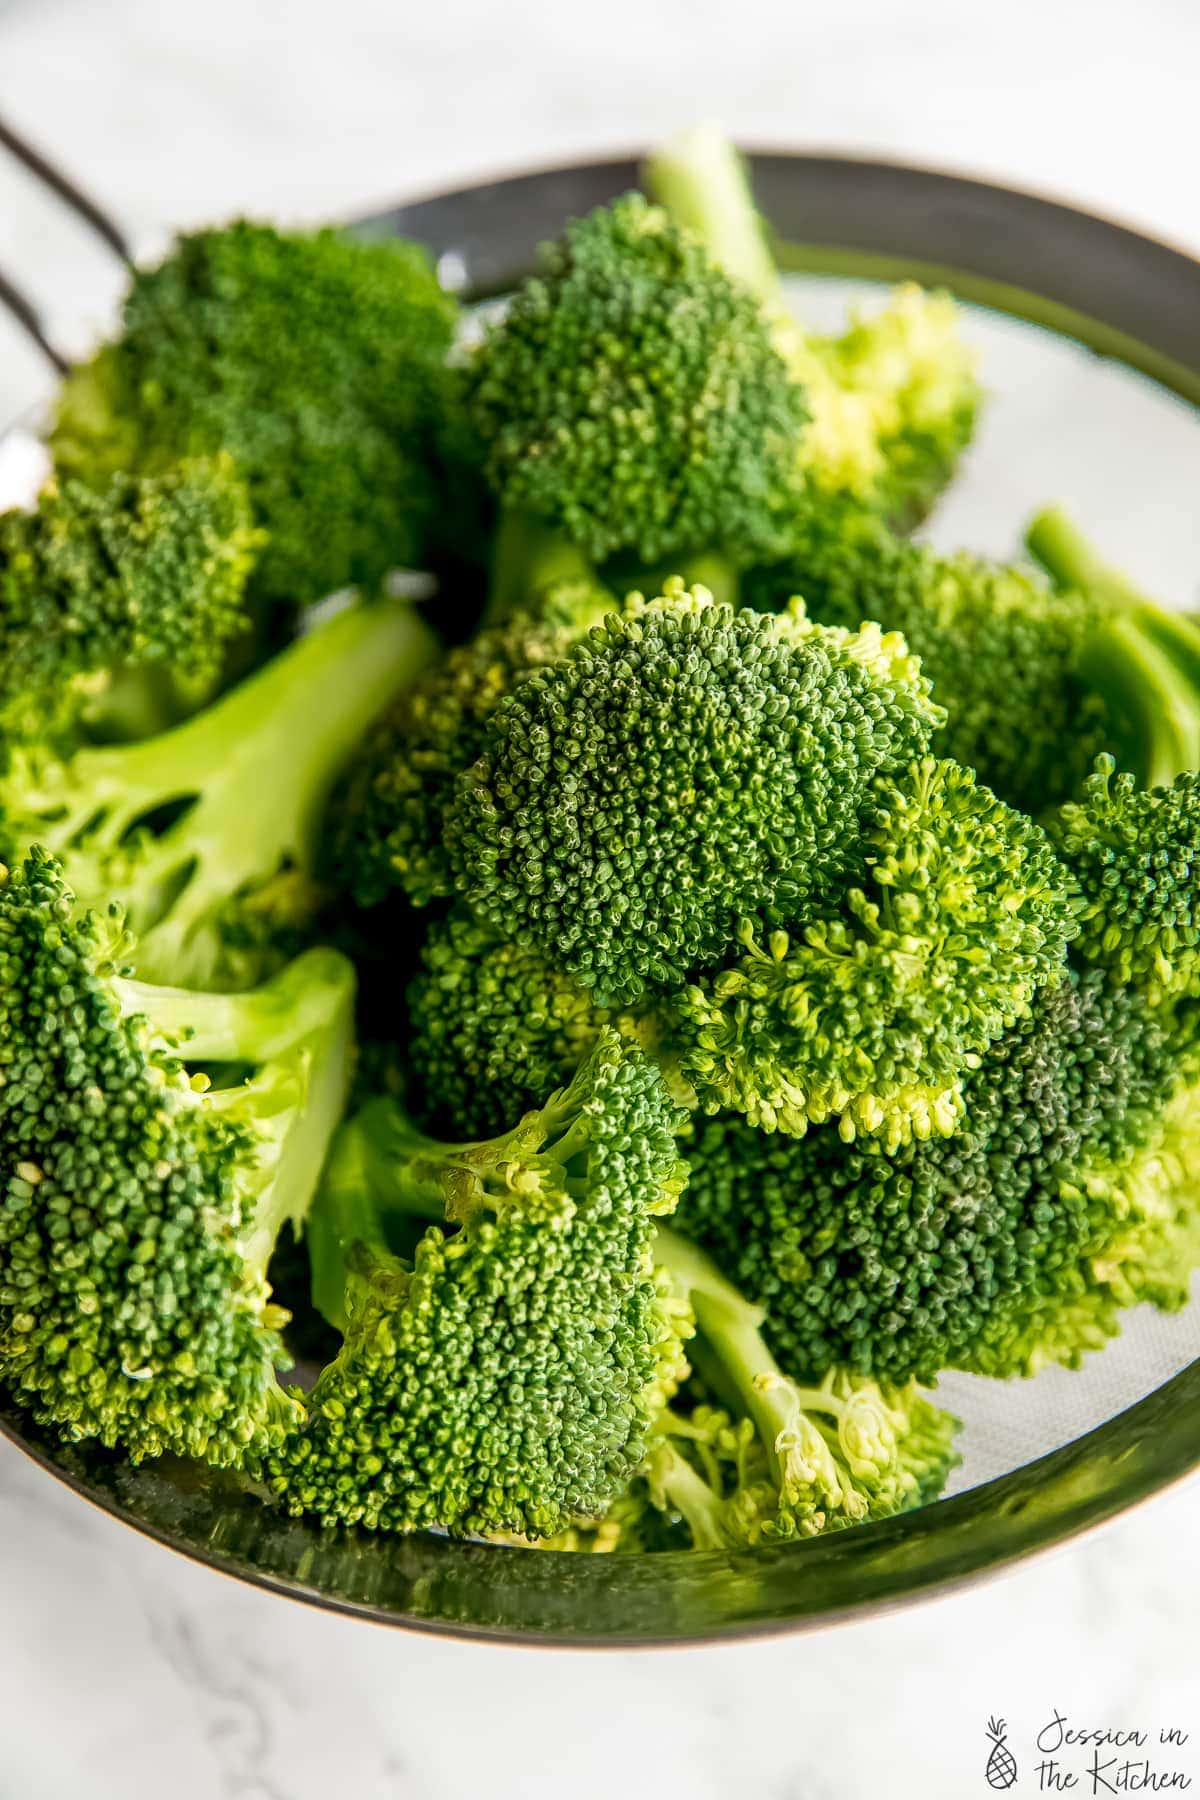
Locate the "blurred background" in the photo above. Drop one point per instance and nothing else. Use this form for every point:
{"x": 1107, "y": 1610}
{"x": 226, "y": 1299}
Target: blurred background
{"x": 123, "y": 1672}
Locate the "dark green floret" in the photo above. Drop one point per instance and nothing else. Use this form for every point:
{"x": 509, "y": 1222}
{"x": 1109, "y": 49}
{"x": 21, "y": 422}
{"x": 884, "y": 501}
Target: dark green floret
{"x": 1000, "y": 647}
{"x": 492, "y": 1026}
{"x": 1136, "y": 857}
{"x": 136, "y": 575}
{"x": 631, "y": 395}
{"x": 314, "y": 360}
{"x": 505, "y": 1378}
{"x": 682, "y": 765}
{"x": 1011, "y": 1244}
{"x": 140, "y": 1203}
{"x": 210, "y": 835}
{"x": 875, "y": 1009}
{"x": 388, "y": 818}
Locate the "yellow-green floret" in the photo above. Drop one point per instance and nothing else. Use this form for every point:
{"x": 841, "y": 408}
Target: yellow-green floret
{"x": 874, "y": 1010}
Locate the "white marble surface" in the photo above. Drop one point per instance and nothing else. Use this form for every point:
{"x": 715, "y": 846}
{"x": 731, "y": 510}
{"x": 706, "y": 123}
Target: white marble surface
{"x": 127, "y": 1673}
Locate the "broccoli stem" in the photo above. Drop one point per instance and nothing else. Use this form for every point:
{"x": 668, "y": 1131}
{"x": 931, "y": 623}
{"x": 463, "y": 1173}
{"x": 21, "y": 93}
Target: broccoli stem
{"x": 252, "y": 1027}
{"x": 530, "y": 559}
{"x": 1143, "y": 660}
{"x": 702, "y": 181}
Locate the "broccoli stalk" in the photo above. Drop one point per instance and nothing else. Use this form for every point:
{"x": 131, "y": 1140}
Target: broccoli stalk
{"x": 703, "y": 183}
{"x": 505, "y": 1377}
{"x": 155, "y": 1142}
{"x": 823, "y": 1455}
{"x": 1143, "y": 660}
{"x": 242, "y": 788}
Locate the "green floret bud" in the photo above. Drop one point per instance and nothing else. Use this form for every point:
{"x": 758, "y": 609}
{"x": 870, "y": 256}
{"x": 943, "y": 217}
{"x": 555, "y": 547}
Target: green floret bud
{"x": 141, "y": 1203}
{"x": 873, "y": 1012}
{"x": 967, "y": 1252}
{"x": 135, "y": 573}
{"x": 505, "y": 1379}
{"x": 632, "y": 395}
{"x": 388, "y": 816}
{"x": 789, "y": 1459}
{"x": 1000, "y": 647}
{"x": 682, "y": 765}
{"x": 893, "y": 399}
{"x": 1135, "y": 855}
{"x": 210, "y": 836}
{"x": 493, "y": 1026}
{"x": 315, "y": 361}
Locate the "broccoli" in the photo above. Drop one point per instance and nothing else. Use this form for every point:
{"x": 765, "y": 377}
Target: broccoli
{"x": 893, "y": 400}
{"x": 631, "y": 396}
{"x": 1141, "y": 660}
{"x": 876, "y": 1007}
{"x": 388, "y": 815}
{"x": 315, "y": 361}
{"x": 504, "y": 1378}
{"x": 140, "y": 1201}
{"x": 209, "y": 835}
{"x": 993, "y": 1250}
{"x": 492, "y": 1026}
{"x": 788, "y": 1459}
{"x": 683, "y": 764}
{"x": 136, "y": 584}
{"x": 1036, "y": 681}
{"x": 1134, "y": 855}
{"x": 1000, "y": 648}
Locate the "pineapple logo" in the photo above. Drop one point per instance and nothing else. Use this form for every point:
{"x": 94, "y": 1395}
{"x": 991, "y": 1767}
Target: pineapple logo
{"x": 1001, "y": 1764}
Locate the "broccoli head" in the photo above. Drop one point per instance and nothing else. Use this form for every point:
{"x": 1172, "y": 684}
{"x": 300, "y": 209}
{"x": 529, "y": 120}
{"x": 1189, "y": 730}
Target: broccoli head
{"x": 631, "y": 394}
{"x": 1135, "y": 854}
{"x": 504, "y": 1379}
{"x": 314, "y": 360}
{"x": 387, "y": 820}
{"x": 874, "y": 1009}
{"x": 492, "y": 1026}
{"x": 892, "y": 400}
{"x": 141, "y": 1201}
{"x": 210, "y": 835}
{"x": 994, "y": 1250}
{"x": 1000, "y": 647}
{"x": 136, "y": 574}
{"x": 682, "y": 765}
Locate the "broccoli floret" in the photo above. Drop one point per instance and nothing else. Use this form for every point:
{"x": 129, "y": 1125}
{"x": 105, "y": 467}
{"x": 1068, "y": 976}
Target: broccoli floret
{"x": 1142, "y": 661}
{"x": 388, "y": 816}
{"x": 893, "y": 399}
{"x": 632, "y": 396}
{"x": 876, "y": 1007}
{"x": 209, "y": 836}
{"x": 314, "y": 360}
{"x": 110, "y": 583}
{"x": 969, "y": 1252}
{"x": 789, "y": 1459}
{"x": 504, "y": 1379}
{"x": 1000, "y": 647}
{"x": 492, "y": 1025}
{"x": 141, "y": 1202}
{"x": 683, "y": 764}
{"x": 1135, "y": 855}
